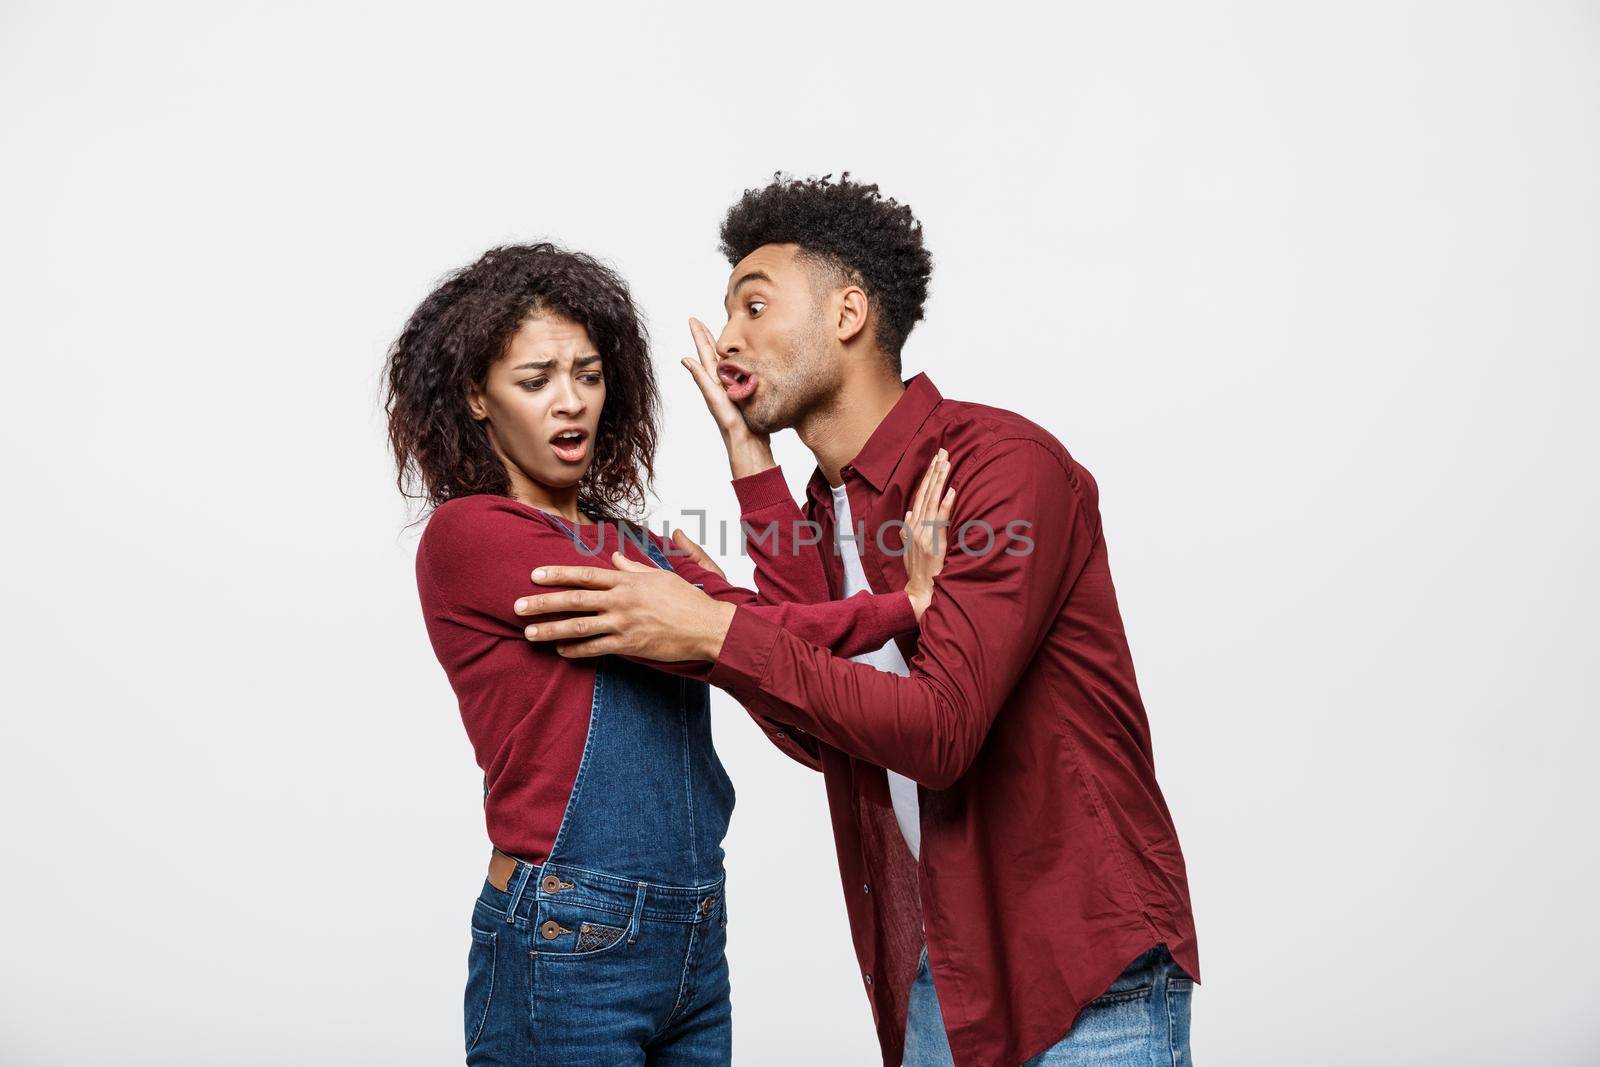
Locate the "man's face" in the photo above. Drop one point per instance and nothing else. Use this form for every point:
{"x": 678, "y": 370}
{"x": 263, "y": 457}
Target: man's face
{"x": 777, "y": 356}
{"x": 542, "y": 400}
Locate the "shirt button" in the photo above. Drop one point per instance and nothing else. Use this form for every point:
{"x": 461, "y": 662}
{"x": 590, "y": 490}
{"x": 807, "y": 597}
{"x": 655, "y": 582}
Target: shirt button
{"x": 781, "y": 736}
{"x": 550, "y": 930}
{"x": 865, "y": 888}
{"x": 869, "y": 979}
{"x": 551, "y": 884}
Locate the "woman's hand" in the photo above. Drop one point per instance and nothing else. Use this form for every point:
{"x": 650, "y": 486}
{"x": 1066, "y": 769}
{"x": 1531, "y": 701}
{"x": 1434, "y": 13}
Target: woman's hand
{"x": 748, "y": 452}
{"x": 926, "y": 541}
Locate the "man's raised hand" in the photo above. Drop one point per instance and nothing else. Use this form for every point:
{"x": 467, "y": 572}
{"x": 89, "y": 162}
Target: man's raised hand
{"x": 748, "y": 452}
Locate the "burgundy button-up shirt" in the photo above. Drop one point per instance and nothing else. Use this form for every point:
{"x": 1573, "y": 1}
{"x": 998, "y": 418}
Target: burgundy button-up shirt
{"x": 1049, "y": 859}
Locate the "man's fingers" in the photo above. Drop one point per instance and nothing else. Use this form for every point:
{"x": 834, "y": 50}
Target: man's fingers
{"x": 585, "y": 626}
{"x": 584, "y": 577}
{"x": 922, "y": 487}
{"x": 696, "y": 554}
{"x": 704, "y": 344}
{"x": 596, "y": 646}
{"x": 704, "y": 371}
{"x": 707, "y": 383}
{"x": 705, "y": 348}
{"x": 930, "y": 504}
{"x": 623, "y": 563}
{"x": 566, "y": 600}
{"x": 942, "y": 479}
{"x": 936, "y": 486}
{"x": 928, "y": 489}
{"x": 929, "y": 481}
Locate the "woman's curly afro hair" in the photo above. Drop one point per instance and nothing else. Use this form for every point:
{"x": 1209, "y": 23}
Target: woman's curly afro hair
{"x": 455, "y": 335}
{"x": 871, "y": 239}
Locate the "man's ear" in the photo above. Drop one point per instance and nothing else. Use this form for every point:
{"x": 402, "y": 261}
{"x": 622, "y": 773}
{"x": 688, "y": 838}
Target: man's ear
{"x": 853, "y": 313}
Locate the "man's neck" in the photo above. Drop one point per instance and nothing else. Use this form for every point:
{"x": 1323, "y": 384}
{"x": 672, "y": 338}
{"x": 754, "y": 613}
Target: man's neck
{"x": 837, "y": 430}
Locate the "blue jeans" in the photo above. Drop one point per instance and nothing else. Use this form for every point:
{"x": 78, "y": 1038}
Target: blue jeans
{"x": 634, "y": 974}
{"x": 1142, "y": 1020}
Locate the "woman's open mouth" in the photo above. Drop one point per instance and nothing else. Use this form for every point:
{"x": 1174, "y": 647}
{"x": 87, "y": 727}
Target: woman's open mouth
{"x": 737, "y": 382}
{"x": 571, "y": 445}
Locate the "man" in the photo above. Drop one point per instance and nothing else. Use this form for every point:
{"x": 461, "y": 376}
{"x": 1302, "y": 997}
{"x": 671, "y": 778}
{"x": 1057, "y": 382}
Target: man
{"x": 1013, "y": 878}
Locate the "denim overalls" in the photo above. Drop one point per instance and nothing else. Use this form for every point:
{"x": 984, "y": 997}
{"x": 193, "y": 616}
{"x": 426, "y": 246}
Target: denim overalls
{"x": 612, "y": 951}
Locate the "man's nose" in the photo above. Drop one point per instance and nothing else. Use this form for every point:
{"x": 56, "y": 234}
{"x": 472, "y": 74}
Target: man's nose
{"x": 728, "y": 343}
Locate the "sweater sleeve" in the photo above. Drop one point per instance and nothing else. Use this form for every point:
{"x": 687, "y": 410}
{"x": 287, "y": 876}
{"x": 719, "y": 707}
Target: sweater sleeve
{"x": 479, "y": 554}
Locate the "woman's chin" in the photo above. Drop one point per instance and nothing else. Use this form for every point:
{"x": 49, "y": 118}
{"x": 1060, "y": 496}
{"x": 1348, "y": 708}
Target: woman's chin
{"x": 563, "y": 477}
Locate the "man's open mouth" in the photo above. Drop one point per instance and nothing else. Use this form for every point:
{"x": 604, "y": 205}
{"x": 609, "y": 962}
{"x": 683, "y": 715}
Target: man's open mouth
{"x": 571, "y": 445}
{"x": 739, "y": 383}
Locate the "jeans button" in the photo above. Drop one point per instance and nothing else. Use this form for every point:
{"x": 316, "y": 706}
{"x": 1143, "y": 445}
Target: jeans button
{"x": 550, "y": 930}
{"x": 551, "y": 884}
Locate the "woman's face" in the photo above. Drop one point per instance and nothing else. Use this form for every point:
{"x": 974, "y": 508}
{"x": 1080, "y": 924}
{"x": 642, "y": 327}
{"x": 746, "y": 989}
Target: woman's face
{"x": 542, "y": 401}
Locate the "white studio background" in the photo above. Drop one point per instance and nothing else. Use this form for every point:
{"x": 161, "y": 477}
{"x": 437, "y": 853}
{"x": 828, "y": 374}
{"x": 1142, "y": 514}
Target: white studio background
{"x": 1310, "y": 288}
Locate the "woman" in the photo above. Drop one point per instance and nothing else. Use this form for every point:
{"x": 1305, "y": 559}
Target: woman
{"x": 522, "y": 409}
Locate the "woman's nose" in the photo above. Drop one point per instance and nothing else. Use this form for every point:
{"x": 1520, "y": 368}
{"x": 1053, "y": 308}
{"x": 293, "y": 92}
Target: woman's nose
{"x": 569, "y": 401}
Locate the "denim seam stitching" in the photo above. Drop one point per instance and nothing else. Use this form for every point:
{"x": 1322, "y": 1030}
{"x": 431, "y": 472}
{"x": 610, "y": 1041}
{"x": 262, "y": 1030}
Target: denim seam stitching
{"x": 583, "y": 764}
{"x": 489, "y": 996}
{"x": 688, "y": 772}
{"x": 685, "y": 986}
{"x": 1144, "y": 992}
{"x": 697, "y": 891}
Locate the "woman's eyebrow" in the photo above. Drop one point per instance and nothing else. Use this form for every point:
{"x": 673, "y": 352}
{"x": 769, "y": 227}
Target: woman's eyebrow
{"x": 546, "y": 364}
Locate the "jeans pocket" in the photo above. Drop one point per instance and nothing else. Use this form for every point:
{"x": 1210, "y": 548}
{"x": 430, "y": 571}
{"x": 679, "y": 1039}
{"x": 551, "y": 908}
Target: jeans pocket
{"x": 1114, "y": 1028}
{"x": 480, "y": 984}
{"x": 564, "y": 931}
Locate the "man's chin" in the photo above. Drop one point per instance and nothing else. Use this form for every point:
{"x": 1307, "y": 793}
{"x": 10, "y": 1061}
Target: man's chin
{"x": 762, "y": 419}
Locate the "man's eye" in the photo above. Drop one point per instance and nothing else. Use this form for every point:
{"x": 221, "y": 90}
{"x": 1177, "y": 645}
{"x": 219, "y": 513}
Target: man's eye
{"x": 755, "y": 306}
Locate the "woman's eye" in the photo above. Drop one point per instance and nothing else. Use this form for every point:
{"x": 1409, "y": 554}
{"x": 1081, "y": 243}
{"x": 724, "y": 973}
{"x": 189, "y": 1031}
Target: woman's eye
{"x": 532, "y": 384}
{"x": 755, "y": 306}
{"x": 593, "y": 379}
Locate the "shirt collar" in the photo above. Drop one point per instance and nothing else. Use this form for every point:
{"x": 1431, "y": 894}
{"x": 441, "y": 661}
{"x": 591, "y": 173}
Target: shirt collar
{"x": 879, "y": 457}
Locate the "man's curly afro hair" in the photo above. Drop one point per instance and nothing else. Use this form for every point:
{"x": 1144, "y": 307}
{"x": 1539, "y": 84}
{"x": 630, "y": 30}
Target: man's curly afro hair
{"x": 850, "y": 227}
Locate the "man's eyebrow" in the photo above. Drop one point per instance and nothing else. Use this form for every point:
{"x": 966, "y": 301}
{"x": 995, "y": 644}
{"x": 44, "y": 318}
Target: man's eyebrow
{"x": 753, "y": 276}
{"x": 546, "y": 364}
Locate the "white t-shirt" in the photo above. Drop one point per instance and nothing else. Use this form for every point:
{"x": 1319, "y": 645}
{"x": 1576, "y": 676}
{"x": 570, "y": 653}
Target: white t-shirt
{"x": 902, "y": 790}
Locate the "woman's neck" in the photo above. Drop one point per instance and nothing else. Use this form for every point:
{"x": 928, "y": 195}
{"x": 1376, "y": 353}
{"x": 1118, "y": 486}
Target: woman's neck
{"x": 561, "y": 501}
